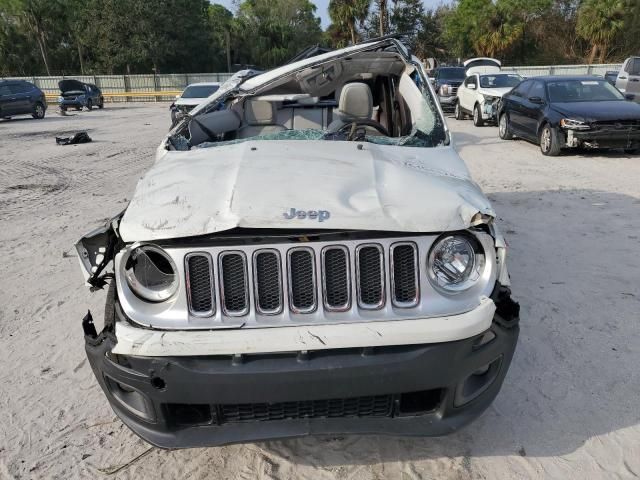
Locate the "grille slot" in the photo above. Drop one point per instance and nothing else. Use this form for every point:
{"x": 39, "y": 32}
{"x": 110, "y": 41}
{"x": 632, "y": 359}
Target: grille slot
{"x": 404, "y": 274}
{"x": 234, "y": 291}
{"x": 370, "y": 271}
{"x": 336, "y": 278}
{"x": 267, "y": 281}
{"x": 370, "y": 406}
{"x": 302, "y": 280}
{"x": 199, "y": 278}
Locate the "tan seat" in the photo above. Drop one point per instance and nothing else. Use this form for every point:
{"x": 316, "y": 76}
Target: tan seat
{"x": 259, "y": 118}
{"x": 356, "y": 103}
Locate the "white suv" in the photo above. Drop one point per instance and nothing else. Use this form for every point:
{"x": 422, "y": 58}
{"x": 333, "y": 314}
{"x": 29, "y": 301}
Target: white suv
{"x": 482, "y": 89}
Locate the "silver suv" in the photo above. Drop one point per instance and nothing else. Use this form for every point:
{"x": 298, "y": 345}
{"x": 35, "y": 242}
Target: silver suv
{"x": 628, "y": 80}
{"x": 307, "y": 255}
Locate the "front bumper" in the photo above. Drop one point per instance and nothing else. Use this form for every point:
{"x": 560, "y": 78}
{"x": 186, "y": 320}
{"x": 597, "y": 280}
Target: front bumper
{"x": 604, "y": 138}
{"x": 425, "y": 390}
{"x": 448, "y": 102}
{"x": 72, "y": 102}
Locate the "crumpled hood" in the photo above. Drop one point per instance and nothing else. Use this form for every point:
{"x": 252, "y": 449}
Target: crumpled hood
{"x": 255, "y": 183}
{"x": 190, "y": 101}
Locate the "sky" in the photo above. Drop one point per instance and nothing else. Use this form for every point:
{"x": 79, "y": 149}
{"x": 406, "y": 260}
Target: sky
{"x": 324, "y": 4}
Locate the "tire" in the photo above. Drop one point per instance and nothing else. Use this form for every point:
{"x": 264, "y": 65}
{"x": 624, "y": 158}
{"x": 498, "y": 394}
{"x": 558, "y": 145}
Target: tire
{"x": 89, "y": 105}
{"x": 477, "y": 116}
{"x": 101, "y": 104}
{"x": 38, "y": 111}
{"x": 458, "y": 112}
{"x": 504, "y": 129}
{"x": 549, "y": 141}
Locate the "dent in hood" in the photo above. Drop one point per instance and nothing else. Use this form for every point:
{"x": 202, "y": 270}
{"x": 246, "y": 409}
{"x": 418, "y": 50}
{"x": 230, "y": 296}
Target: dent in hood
{"x": 253, "y": 184}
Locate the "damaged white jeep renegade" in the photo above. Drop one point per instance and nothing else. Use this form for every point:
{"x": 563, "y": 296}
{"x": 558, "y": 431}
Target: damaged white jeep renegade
{"x": 307, "y": 255}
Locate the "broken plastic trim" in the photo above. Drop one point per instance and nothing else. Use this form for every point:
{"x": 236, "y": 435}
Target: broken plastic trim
{"x": 96, "y": 249}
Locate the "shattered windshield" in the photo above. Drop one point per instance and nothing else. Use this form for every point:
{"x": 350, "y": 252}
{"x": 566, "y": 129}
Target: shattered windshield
{"x": 371, "y": 96}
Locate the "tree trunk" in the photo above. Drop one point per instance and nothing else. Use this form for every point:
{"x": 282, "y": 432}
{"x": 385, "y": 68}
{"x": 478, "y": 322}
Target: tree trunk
{"x": 227, "y": 39}
{"x": 593, "y": 53}
{"x": 43, "y": 50}
{"x": 80, "y": 58}
{"x": 352, "y": 29}
{"x": 383, "y": 16}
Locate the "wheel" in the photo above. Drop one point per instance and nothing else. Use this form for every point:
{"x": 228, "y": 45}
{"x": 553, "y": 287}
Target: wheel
{"x": 89, "y": 105}
{"x": 477, "y": 116}
{"x": 101, "y": 104}
{"x": 549, "y": 141}
{"x": 504, "y": 129}
{"x": 38, "y": 111}
{"x": 458, "y": 112}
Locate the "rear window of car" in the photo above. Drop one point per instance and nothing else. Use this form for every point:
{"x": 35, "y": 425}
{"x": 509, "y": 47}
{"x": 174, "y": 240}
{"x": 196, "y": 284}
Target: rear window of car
{"x": 582, "y": 91}
{"x": 451, "y": 74}
{"x": 499, "y": 81}
{"x": 199, "y": 91}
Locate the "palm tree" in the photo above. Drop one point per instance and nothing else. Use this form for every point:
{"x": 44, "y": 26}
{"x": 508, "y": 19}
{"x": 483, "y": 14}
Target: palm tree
{"x": 599, "y": 21}
{"x": 346, "y": 13}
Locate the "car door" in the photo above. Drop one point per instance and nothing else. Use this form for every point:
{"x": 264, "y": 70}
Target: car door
{"x": 633, "y": 82}
{"x": 468, "y": 89}
{"x": 532, "y": 107}
{"x": 7, "y": 101}
{"x": 515, "y": 108}
{"x": 22, "y": 102}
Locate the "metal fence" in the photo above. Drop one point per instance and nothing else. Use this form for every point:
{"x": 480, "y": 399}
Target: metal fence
{"x": 173, "y": 83}
{"x": 530, "y": 71}
{"x": 112, "y": 84}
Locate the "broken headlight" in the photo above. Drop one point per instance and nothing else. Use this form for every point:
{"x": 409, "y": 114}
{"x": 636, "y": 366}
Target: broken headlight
{"x": 572, "y": 124}
{"x": 151, "y": 273}
{"x": 455, "y": 263}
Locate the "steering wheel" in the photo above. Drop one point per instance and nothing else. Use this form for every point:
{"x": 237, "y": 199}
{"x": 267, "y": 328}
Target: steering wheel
{"x": 356, "y": 122}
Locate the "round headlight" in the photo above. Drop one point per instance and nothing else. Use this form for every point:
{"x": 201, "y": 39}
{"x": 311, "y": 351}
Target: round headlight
{"x": 151, "y": 273}
{"x": 454, "y": 264}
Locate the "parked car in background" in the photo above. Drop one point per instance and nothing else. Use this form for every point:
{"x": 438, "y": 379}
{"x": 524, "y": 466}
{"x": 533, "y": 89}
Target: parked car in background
{"x": 76, "y": 94}
{"x": 446, "y": 81}
{"x": 566, "y": 112}
{"x": 191, "y": 97}
{"x": 611, "y": 76}
{"x": 479, "y": 95}
{"x": 628, "y": 80}
{"x": 304, "y": 258}
{"x": 18, "y": 97}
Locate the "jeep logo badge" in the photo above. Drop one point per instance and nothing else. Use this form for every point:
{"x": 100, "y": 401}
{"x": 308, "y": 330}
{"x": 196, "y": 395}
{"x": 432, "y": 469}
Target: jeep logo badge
{"x": 320, "y": 215}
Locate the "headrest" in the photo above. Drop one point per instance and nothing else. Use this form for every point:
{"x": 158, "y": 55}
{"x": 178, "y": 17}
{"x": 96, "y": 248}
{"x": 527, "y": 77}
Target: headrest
{"x": 356, "y": 101}
{"x": 259, "y": 112}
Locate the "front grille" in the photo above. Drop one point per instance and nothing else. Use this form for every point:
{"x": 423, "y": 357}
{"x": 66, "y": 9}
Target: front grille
{"x": 268, "y": 282}
{"x": 623, "y": 125}
{"x": 233, "y": 278}
{"x": 199, "y": 278}
{"x": 370, "y": 265}
{"x": 371, "y": 406}
{"x": 302, "y": 281}
{"x": 336, "y": 278}
{"x": 404, "y": 274}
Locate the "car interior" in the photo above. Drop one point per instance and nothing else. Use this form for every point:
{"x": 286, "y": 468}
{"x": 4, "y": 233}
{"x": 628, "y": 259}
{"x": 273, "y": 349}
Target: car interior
{"x": 358, "y": 97}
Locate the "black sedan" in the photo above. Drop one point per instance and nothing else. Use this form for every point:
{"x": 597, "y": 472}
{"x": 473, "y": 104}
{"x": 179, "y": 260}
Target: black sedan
{"x": 568, "y": 112}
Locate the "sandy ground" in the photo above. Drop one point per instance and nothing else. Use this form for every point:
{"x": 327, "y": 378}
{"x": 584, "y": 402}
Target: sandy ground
{"x": 570, "y": 404}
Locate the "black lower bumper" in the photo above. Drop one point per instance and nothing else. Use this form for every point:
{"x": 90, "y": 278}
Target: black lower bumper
{"x": 609, "y": 138}
{"x": 415, "y": 390}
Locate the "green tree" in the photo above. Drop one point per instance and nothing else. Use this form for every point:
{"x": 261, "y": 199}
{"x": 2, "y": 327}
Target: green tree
{"x": 275, "y": 30}
{"x": 599, "y": 22}
{"x": 346, "y": 14}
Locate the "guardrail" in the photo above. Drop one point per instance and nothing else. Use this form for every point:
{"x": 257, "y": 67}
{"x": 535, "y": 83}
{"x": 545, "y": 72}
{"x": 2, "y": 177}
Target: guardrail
{"x": 164, "y": 95}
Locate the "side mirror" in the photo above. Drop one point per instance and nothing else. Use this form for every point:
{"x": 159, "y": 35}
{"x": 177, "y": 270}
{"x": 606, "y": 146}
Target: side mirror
{"x": 536, "y": 100}
{"x": 177, "y": 97}
{"x": 629, "y": 96}
{"x": 471, "y": 86}
{"x": 432, "y": 80}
